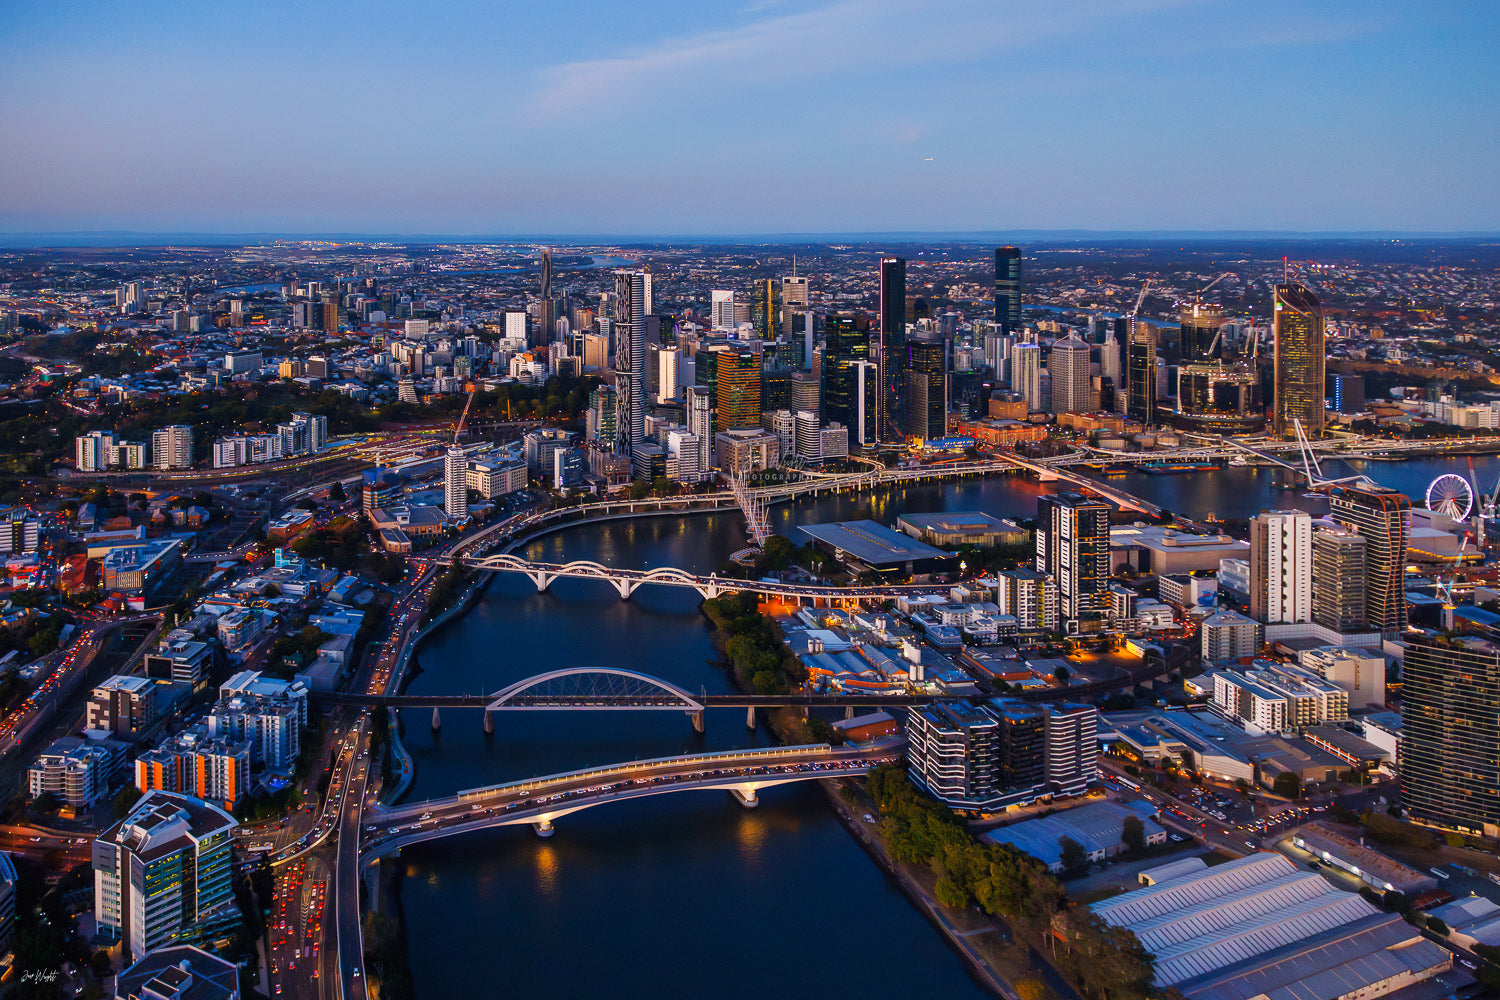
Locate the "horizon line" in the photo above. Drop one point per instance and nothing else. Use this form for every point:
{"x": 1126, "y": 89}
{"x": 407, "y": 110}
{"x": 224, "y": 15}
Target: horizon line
{"x": 65, "y": 239}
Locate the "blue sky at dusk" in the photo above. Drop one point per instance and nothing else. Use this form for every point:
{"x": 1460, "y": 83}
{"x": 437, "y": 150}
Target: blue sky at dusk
{"x": 667, "y": 116}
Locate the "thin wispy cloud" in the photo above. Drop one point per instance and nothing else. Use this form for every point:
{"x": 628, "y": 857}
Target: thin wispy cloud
{"x": 862, "y": 36}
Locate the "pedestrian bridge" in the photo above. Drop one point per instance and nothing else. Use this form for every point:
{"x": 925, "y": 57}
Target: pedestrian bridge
{"x": 537, "y": 802}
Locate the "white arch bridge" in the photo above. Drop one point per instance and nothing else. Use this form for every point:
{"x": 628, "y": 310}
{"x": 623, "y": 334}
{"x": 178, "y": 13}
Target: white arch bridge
{"x": 628, "y": 581}
{"x": 536, "y": 802}
{"x": 595, "y": 689}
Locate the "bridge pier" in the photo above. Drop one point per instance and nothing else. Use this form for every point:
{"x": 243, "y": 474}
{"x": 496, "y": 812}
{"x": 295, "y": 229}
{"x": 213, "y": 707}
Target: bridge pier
{"x": 437, "y": 720}
{"x": 746, "y": 795}
{"x": 489, "y": 723}
{"x": 750, "y": 717}
{"x": 697, "y": 721}
{"x": 625, "y": 588}
{"x": 543, "y": 827}
{"x": 542, "y": 581}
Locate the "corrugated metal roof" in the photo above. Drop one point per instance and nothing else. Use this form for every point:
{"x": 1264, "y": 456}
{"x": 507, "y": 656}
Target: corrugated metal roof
{"x": 1356, "y": 956}
{"x": 1174, "y": 894}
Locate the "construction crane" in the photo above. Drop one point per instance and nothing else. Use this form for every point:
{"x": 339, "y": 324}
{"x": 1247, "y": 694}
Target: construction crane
{"x": 1139, "y": 301}
{"x": 458, "y": 428}
{"x": 1445, "y": 590}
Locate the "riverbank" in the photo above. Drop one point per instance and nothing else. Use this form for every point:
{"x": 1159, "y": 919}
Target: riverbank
{"x": 965, "y": 941}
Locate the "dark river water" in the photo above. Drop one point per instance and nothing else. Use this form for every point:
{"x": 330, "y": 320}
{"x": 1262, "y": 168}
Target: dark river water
{"x": 688, "y": 894}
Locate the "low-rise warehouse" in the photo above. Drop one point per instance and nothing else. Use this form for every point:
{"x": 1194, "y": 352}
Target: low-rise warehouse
{"x": 1373, "y": 867}
{"x": 1260, "y": 927}
{"x": 1098, "y": 827}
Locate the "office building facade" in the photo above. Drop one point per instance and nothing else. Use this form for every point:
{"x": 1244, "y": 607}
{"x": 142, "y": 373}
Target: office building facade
{"x": 162, "y": 875}
{"x": 890, "y": 347}
{"x": 1299, "y": 364}
{"x": 1068, "y": 366}
{"x": 1008, "y": 289}
{"x": 1338, "y": 579}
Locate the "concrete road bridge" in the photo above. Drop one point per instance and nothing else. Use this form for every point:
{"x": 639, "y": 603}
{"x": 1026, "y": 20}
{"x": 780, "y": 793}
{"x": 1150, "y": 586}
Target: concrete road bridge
{"x": 538, "y": 802}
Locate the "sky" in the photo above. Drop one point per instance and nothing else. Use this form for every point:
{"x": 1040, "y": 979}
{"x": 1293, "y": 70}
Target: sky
{"x": 496, "y": 117}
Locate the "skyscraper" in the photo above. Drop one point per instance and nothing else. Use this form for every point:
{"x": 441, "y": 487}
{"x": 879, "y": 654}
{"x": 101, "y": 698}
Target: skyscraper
{"x": 737, "y": 385}
{"x": 765, "y": 309}
{"x": 1068, "y": 364}
{"x": 630, "y": 359}
{"x": 926, "y": 392}
{"x": 1008, "y": 289}
{"x": 721, "y": 309}
{"x": 1281, "y": 566}
{"x": 1199, "y": 325}
{"x": 699, "y": 417}
{"x": 456, "y": 484}
{"x": 867, "y": 391}
{"x": 1379, "y": 515}
{"x": 1140, "y": 374}
{"x": 794, "y": 302}
{"x": 1072, "y": 547}
{"x": 1297, "y": 328}
{"x": 1450, "y": 732}
{"x": 1026, "y": 375}
{"x": 846, "y": 342}
{"x": 890, "y": 350}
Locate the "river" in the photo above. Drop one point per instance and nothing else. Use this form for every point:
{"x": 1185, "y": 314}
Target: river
{"x": 686, "y": 893}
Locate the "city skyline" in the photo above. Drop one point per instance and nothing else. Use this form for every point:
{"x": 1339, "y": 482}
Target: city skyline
{"x": 1078, "y": 116}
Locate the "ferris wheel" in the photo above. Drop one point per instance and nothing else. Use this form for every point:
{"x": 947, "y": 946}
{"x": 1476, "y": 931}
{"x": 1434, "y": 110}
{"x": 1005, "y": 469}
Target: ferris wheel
{"x": 1450, "y": 495}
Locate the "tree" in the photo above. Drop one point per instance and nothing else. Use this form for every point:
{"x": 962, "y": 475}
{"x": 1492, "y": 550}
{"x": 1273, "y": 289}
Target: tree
{"x": 950, "y": 893}
{"x": 1060, "y": 675}
{"x": 1437, "y": 926}
{"x": 1073, "y": 856}
{"x": 100, "y": 964}
{"x": 1133, "y": 834}
{"x": 336, "y": 492}
{"x": 1030, "y": 989}
{"x": 1287, "y": 785}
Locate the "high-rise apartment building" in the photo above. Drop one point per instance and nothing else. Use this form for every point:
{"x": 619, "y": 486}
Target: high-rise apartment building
{"x": 1281, "y": 566}
{"x": 172, "y": 447}
{"x": 1068, "y": 366}
{"x": 1450, "y": 732}
{"x": 163, "y": 874}
{"x": 1026, "y": 375}
{"x": 630, "y": 360}
{"x": 1029, "y": 597}
{"x": 1008, "y": 289}
{"x": 1072, "y": 547}
{"x": 1297, "y": 329}
{"x": 1379, "y": 515}
{"x": 890, "y": 347}
{"x": 456, "y": 484}
{"x": 867, "y": 391}
{"x": 1338, "y": 579}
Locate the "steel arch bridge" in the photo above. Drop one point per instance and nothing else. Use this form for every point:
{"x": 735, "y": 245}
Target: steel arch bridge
{"x": 593, "y": 688}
